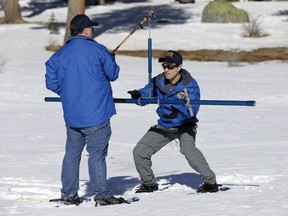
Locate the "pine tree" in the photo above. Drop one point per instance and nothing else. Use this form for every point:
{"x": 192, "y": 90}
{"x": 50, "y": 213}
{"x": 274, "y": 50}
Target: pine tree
{"x": 53, "y": 25}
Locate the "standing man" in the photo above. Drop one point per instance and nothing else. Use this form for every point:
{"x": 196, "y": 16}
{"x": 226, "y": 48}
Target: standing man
{"x": 175, "y": 122}
{"x": 81, "y": 73}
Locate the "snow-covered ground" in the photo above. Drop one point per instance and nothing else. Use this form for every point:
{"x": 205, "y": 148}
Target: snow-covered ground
{"x": 245, "y": 146}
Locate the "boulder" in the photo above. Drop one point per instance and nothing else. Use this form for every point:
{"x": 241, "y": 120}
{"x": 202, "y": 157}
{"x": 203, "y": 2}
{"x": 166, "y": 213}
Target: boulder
{"x": 222, "y": 11}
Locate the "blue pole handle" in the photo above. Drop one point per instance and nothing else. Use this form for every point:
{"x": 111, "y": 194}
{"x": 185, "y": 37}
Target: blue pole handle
{"x": 145, "y": 101}
{"x": 149, "y": 61}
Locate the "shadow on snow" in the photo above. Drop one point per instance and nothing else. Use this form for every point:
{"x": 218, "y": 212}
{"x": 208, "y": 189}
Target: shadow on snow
{"x": 120, "y": 184}
{"x": 123, "y": 20}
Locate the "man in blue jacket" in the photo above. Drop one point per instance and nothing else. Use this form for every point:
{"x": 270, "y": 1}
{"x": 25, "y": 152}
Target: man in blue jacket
{"x": 175, "y": 122}
{"x": 80, "y": 73}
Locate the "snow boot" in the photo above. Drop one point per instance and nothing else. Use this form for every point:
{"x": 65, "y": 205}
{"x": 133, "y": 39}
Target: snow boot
{"x": 208, "y": 188}
{"x": 109, "y": 201}
{"x": 147, "y": 188}
{"x": 76, "y": 200}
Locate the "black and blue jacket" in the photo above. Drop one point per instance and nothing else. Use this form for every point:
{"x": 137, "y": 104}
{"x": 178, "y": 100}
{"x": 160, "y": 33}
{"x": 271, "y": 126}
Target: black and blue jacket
{"x": 162, "y": 89}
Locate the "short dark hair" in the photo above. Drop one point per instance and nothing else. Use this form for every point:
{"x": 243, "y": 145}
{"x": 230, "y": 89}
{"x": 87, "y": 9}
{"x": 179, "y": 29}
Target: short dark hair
{"x": 76, "y": 32}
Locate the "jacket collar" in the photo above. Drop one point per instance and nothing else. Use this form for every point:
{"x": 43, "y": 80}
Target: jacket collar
{"x": 185, "y": 80}
{"x": 78, "y": 37}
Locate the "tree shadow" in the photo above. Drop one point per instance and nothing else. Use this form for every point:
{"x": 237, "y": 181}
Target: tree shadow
{"x": 121, "y": 20}
{"x": 37, "y": 7}
{"x": 282, "y": 13}
{"x": 125, "y": 20}
{"x": 120, "y": 184}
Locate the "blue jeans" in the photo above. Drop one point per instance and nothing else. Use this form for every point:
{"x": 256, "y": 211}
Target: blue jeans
{"x": 96, "y": 138}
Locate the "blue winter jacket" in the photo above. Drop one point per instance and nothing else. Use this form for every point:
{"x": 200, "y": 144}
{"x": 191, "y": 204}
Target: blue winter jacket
{"x": 161, "y": 89}
{"x": 80, "y": 73}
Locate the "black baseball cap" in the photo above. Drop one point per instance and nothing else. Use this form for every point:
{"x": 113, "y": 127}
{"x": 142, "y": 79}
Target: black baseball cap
{"x": 80, "y": 22}
{"x": 171, "y": 57}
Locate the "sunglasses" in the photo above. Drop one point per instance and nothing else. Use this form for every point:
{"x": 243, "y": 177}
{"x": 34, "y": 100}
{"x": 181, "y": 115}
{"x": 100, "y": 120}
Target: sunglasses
{"x": 169, "y": 66}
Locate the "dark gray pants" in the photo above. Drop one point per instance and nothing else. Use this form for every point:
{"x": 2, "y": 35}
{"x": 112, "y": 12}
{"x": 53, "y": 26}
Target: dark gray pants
{"x": 156, "y": 138}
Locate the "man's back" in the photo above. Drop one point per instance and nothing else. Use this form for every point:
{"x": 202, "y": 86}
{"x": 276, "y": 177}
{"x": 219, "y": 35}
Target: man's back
{"x": 83, "y": 69}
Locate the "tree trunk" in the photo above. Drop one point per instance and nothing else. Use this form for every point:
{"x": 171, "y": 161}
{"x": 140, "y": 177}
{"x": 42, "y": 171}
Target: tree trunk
{"x": 74, "y": 7}
{"x": 12, "y": 11}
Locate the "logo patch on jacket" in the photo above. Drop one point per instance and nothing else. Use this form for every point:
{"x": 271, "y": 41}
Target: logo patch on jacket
{"x": 180, "y": 95}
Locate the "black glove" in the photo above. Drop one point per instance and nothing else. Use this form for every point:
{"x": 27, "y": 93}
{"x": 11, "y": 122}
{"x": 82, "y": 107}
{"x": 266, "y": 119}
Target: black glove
{"x": 135, "y": 94}
{"x": 172, "y": 115}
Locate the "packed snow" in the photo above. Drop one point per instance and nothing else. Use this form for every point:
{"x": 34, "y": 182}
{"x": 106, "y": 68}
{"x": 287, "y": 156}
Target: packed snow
{"x": 247, "y": 147}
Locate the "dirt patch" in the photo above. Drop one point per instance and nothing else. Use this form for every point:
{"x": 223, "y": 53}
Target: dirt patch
{"x": 259, "y": 55}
